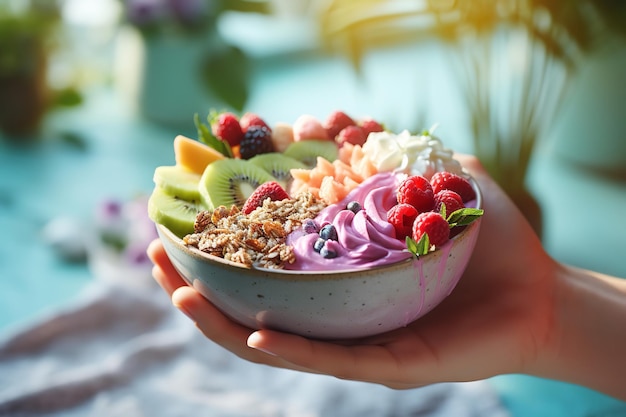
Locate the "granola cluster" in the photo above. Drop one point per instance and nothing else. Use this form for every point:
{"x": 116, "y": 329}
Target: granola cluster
{"x": 257, "y": 238}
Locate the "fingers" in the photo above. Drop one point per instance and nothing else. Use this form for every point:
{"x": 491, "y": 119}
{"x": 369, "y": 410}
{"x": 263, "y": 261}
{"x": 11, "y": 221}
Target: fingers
{"x": 222, "y": 330}
{"x": 163, "y": 271}
{"x": 359, "y": 362}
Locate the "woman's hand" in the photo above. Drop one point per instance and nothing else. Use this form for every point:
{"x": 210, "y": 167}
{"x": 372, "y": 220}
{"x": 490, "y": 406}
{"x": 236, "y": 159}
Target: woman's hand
{"x": 497, "y": 320}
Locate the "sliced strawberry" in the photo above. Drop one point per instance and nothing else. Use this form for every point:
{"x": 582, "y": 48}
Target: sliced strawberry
{"x": 271, "y": 190}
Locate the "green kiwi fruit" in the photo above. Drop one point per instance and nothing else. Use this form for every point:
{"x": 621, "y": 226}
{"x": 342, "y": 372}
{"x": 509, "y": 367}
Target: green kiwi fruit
{"x": 230, "y": 181}
{"x": 177, "y": 181}
{"x": 307, "y": 151}
{"x": 278, "y": 165}
{"x": 173, "y": 212}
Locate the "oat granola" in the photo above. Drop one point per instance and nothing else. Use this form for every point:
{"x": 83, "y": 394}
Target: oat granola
{"x": 257, "y": 238}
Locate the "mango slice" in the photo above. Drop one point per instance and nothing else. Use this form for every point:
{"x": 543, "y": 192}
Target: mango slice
{"x": 193, "y": 155}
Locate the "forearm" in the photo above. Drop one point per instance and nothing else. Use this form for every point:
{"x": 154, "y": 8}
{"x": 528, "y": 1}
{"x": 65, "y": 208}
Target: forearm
{"x": 588, "y": 346}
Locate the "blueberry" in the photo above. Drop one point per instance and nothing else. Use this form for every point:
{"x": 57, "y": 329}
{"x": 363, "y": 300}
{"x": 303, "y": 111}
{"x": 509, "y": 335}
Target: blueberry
{"x": 319, "y": 244}
{"x": 328, "y": 253}
{"x": 329, "y": 232}
{"x": 354, "y": 206}
{"x": 309, "y": 226}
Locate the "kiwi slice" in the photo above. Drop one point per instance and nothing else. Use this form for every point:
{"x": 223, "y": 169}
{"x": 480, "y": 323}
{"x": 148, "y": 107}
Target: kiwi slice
{"x": 173, "y": 212}
{"x": 230, "y": 181}
{"x": 307, "y": 151}
{"x": 278, "y": 165}
{"x": 177, "y": 181}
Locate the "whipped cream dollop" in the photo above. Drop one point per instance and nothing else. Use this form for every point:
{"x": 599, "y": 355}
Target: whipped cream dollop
{"x": 365, "y": 238}
{"x": 422, "y": 154}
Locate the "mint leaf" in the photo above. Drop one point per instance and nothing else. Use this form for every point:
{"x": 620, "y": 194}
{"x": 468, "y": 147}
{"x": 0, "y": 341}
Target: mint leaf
{"x": 442, "y": 211}
{"x": 418, "y": 248}
{"x": 205, "y": 136}
{"x": 464, "y": 216}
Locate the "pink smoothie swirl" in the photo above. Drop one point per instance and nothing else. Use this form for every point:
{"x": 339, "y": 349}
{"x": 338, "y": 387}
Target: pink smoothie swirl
{"x": 365, "y": 238}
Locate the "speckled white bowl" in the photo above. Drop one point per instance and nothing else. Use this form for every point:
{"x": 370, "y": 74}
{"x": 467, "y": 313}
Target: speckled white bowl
{"x": 326, "y": 305}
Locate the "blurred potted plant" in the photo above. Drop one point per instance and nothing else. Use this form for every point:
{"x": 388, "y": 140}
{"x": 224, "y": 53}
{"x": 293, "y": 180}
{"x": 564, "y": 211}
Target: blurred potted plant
{"x": 27, "y": 33}
{"x": 173, "y": 61}
{"x": 516, "y": 57}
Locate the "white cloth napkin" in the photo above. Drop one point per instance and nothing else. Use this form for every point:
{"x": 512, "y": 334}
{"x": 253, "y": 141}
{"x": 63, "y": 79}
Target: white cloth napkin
{"x": 121, "y": 351}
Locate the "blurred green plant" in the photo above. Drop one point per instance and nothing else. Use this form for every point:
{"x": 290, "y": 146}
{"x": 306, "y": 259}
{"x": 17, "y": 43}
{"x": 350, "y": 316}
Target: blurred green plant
{"x": 28, "y": 30}
{"x": 514, "y": 57}
{"x": 226, "y": 67}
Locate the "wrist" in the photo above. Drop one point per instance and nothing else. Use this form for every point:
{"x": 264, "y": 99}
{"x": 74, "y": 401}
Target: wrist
{"x": 588, "y": 342}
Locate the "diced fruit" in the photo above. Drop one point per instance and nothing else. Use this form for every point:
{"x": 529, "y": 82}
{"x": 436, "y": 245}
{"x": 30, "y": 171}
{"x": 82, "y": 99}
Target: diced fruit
{"x": 257, "y": 140}
{"x": 178, "y": 182}
{"x": 271, "y": 190}
{"x": 176, "y": 214}
{"x": 230, "y": 182}
{"x": 401, "y": 217}
{"x": 351, "y": 134}
{"x": 307, "y": 127}
{"x": 417, "y": 191}
{"x": 227, "y": 128}
{"x": 251, "y": 119}
{"x": 332, "y": 191}
{"x": 194, "y": 155}
{"x": 450, "y": 181}
{"x": 432, "y": 224}
{"x": 450, "y": 199}
{"x": 336, "y": 122}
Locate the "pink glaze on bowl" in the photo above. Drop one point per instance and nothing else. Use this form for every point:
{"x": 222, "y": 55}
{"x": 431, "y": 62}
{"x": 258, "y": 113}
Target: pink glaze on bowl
{"x": 327, "y": 304}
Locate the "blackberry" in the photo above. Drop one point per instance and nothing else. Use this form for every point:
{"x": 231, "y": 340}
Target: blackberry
{"x": 257, "y": 140}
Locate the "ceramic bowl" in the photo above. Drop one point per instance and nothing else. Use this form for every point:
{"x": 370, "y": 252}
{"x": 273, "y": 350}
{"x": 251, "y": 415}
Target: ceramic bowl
{"x": 329, "y": 304}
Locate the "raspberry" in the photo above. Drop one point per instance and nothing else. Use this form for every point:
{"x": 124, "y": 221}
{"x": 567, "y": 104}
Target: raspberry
{"x": 251, "y": 119}
{"x": 432, "y": 224}
{"x": 351, "y": 134}
{"x": 227, "y": 128}
{"x": 417, "y": 191}
{"x": 449, "y": 181}
{"x": 336, "y": 122}
{"x": 370, "y": 125}
{"x": 401, "y": 217}
{"x": 257, "y": 140}
{"x": 271, "y": 190}
{"x": 452, "y": 200}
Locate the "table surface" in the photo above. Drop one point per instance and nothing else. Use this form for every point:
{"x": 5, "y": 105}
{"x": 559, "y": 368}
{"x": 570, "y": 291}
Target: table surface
{"x": 55, "y": 178}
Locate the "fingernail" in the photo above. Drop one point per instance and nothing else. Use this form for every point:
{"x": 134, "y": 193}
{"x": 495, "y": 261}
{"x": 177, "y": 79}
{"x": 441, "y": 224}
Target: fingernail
{"x": 252, "y": 339}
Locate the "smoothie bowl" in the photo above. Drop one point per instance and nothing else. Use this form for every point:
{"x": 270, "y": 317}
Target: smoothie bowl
{"x": 363, "y": 240}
